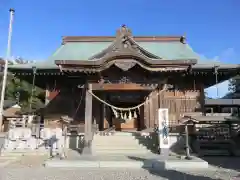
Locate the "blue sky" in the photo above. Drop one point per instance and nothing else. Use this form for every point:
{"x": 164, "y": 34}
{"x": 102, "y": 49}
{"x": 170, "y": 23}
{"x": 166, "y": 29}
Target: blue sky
{"x": 212, "y": 27}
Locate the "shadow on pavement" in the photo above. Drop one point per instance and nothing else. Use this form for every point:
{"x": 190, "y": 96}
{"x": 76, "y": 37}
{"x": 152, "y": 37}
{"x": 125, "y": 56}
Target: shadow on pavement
{"x": 226, "y": 162}
{"x": 171, "y": 174}
{"x": 177, "y": 175}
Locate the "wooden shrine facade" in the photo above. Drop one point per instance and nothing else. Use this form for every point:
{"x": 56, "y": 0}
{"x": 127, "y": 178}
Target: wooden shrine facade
{"x": 125, "y": 75}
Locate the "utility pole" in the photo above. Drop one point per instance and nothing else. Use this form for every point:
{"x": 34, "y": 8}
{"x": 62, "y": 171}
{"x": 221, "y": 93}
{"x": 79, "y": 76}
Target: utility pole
{"x": 8, "y": 54}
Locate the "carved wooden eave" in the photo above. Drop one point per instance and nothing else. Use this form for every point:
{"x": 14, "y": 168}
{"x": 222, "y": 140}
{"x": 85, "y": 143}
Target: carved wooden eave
{"x": 124, "y": 53}
{"x": 124, "y": 62}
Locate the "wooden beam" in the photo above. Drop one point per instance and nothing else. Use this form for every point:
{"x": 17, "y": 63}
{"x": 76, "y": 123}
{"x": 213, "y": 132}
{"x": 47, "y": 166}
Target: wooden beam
{"x": 123, "y": 87}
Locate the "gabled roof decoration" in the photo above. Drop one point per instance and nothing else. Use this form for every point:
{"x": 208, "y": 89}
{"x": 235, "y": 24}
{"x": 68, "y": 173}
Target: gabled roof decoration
{"x": 124, "y": 41}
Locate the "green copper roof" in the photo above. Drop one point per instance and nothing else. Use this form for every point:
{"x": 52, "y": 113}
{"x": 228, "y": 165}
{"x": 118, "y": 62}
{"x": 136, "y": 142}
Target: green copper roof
{"x": 78, "y": 50}
{"x": 85, "y": 50}
{"x": 169, "y": 50}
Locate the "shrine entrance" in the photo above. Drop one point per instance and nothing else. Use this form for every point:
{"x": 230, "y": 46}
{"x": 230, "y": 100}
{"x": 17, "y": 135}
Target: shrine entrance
{"x": 130, "y": 121}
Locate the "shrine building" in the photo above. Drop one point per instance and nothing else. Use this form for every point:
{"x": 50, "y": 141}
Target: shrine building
{"x": 121, "y": 81}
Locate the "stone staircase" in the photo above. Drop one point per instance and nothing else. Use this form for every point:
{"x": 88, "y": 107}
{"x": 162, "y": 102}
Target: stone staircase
{"x": 122, "y": 143}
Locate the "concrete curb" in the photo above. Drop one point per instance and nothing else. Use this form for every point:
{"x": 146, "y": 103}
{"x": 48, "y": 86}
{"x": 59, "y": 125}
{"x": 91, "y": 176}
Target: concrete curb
{"x": 194, "y": 164}
{"x": 7, "y": 162}
{"x": 19, "y": 154}
{"x": 8, "y": 157}
{"x": 147, "y": 164}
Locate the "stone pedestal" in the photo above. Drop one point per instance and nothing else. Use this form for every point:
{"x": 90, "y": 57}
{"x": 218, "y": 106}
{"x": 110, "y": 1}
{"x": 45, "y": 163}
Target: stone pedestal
{"x": 164, "y": 153}
{"x": 87, "y": 150}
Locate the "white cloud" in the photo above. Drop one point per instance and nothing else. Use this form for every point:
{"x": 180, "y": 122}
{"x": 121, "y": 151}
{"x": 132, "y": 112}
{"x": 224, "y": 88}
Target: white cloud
{"x": 227, "y": 56}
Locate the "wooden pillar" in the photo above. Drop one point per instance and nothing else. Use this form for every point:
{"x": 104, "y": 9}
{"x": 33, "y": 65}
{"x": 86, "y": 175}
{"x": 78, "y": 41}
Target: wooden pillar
{"x": 88, "y": 121}
{"x": 155, "y": 107}
{"x": 151, "y": 111}
{"x": 102, "y": 112}
{"x": 202, "y": 99}
{"x": 142, "y": 118}
{"x": 146, "y": 113}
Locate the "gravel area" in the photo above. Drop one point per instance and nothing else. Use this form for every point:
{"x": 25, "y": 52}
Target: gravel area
{"x": 30, "y": 168}
{"x": 28, "y": 162}
{"x": 106, "y": 174}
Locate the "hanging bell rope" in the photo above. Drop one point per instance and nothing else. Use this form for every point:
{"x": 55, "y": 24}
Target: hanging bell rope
{"x": 79, "y": 104}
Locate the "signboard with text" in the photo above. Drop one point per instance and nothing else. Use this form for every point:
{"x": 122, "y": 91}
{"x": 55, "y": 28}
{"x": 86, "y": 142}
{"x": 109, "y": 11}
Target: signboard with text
{"x": 163, "y": 128}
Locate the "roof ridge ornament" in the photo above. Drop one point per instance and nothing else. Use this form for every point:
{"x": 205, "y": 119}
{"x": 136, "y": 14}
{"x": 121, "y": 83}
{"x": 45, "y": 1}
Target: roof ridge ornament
{"x": 124, "y": 31}
{"x": 183, "y": 39}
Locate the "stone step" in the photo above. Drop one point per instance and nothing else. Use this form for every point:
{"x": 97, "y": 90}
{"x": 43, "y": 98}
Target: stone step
{"x": 120, "y": 147}
{"x": 123, "y": 134}
{"x": 17, "y": 153}
{"x": 120, "y": 143}
{"x": 121, "y": 151}
{"x": 120, "y": 136}
{"x": 117, "y": 144}
{"x": 114, "y": 139}
{"x": 115, "y": 136}
{"x": 117, "y": 139}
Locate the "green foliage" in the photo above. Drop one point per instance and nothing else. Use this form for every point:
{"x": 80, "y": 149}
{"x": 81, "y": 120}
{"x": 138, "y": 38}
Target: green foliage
{"x": 234, "y": 87}
{"x": 25, "y": 93}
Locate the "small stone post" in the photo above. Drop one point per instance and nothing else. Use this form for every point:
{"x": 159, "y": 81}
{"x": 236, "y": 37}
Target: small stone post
{"x": 187, "y": 143}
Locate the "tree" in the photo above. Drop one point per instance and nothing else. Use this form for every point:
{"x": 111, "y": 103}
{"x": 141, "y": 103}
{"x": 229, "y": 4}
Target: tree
{"x": 23, "y": 91}
{"x": 234, "y": 87}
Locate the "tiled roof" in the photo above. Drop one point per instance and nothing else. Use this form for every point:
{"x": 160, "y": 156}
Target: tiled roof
{"x": 168, "y": 50}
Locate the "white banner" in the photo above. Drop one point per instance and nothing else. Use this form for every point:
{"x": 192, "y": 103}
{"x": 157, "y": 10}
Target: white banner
{"x": 163, "y": 128}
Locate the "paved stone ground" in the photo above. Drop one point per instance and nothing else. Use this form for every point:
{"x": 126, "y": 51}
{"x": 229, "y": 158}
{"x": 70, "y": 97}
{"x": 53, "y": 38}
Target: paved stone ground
{"x": 107, "y": 174}
{"x": 30, "y": 168}
{"x": 28, "y": 162}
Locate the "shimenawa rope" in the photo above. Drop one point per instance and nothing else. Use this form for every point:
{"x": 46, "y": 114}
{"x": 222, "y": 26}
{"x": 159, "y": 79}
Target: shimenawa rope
{"x": 124, "y": 110}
